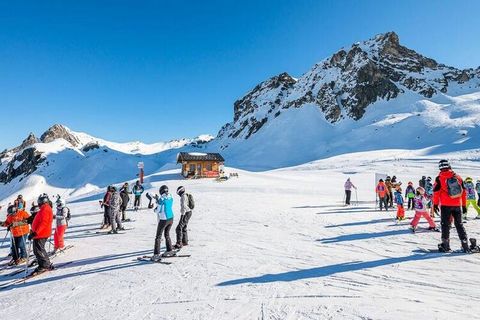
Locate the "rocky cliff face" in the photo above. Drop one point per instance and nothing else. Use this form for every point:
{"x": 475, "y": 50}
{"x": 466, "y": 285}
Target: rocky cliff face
{"x": 58, "y": 131}
{"x": 345, "y": 84}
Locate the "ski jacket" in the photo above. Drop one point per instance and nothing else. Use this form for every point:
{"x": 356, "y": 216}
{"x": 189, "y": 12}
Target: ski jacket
{"x": 470, "y": 189}
{"x": 20, "y": 204}
{"x": 138, "y": 190}
{"x": 42, "y": 224}
{"x": 477, "y": 187}
{"x": 106, "y": 199}
{"x": 124, "y": 194}
{"x": 184, "y": 208}
{"x": 389, "y": 186}
{"x": 398, "y": 198}
{"x": 164, "y": 209}
{"x": 115, "y": 202}
{"x": 420, "y": 203}
{"x": 429, "y": 188}
{"x": 422, "y": 182}
{"x": 410, "y": 192}
{"x": 62, "y": 216}
{"x": 349, "y": 185}
{"x": 381, "y": 189}
{"x": 440, "y": 191}
{"x": 18, "y": 223}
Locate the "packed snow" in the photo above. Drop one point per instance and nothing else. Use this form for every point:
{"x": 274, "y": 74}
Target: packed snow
{"x": 271, "y": 245}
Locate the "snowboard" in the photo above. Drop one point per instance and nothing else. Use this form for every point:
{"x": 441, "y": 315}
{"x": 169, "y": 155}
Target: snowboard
{"x": 149, "y": 259}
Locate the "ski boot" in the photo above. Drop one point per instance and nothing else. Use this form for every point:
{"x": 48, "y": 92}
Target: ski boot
{"x": 465, "y": 247}
{"x": 178, "y": 246}
{"x": 473, "y": 245}
{"x": 444, "y": 246}
{"x": 156, "y": 258}
{"x": 121, "y": 229}
{"x": 414, "y": 229}
{"x": 434, "y": 229}
{"x": 113, "y": 232}
{"x": 170, "y": 253}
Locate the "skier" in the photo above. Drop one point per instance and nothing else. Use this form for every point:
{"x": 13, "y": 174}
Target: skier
{"x": 382, "y": 191}
{"x": 399, "y": 201}
{"x": 125, "y": 195}
{"x": 429, "y": 193}
{"x": 186, "y": 207}
{"x": 16, "y": 222}
{"x": 410, "y": 194}
{"x": 41, "y": 231}
{"x": 420, "y": 203}
{"x": 389, "y": 185}
{"x": 165, "y": 220}
{"x": 449, "y": 197}
{"x": 137, "y": 191}
{"x": 348, "y": 191}
{"x": 150, "y": 200}
{"x": 477, "y": 188}
{"x": 106, "y": 208}
{"x": 61, "y": 217}
{"x": 19, "y": 203}
{"x": 422, "y": 182}
{"x": 471, "y": 197}
{"x": 115, "y": 211}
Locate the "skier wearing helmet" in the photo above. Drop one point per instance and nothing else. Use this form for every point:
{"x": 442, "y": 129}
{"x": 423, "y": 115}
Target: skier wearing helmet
{"x": 41, "y": 231}
{"x": 420, "y": 203}
{"x": 164, "y": 213}
{"x": 410, "y": 195}
{"x": 471, "y": 197}
{"x": 186, "y": 208}
{"x": 61, "y": 217}
{"x": 449, "y": 197}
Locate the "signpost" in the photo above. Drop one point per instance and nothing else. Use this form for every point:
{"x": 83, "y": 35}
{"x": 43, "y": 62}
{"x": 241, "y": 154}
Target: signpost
{"x": 141, "y": 166}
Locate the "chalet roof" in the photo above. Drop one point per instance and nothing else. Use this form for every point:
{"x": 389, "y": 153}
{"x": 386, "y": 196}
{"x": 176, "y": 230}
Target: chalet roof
{"x": 197, "y": 156}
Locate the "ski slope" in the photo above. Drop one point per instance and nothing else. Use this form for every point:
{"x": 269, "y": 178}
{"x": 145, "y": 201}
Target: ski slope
{"x": 270, "y": 245}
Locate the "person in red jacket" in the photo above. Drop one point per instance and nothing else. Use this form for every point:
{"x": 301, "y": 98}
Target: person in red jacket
{"x": 450, "y": 198}
{"x": 41, "y": 231}
{"x": 382, "y": 193}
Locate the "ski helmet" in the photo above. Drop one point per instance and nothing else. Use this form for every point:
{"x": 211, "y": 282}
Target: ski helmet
{"x": 444, "y": 165}
{"x": 43, "y": 198}
{"x": 410, "y": 183}
{"x": 381, "y": 180}
{"x": 11, "y": 209}
{"x": 163, "y": 189}
{"x": 114, "y": 188}
{"x": 421, "y": 190}
{"x": 429, "y": 179}
{"x": 20, "y": 197}
{"x": 468, "y": 179}
{"x": 34, "y": 209}
{"x": 60, "y": 203}
{"x": 180, "y": 190}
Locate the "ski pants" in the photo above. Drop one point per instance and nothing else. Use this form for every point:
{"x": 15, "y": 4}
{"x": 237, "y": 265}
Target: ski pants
{"x": 390, "y": 199}
{"x": 41, "y": 253}
{"x": 478, "y": 201}
{"x": 455, "y": 212}
{"x": 473, "y": 203}
{"x": 19, "y": 248}
{"x": 410, "y": 203}
{"x": 424, "y": 214}
{"x": 163, "y": 227}
{"x": 181, "y": 230}
{"x": 348, "y": 195}
{"x": 106, "y": 215}
{"x": 58, "y": 236}
{"x": 136, "y": 203}
{"x": 116, "y": 218}
{"x": 383, "y": 201}
{"x": 400, "y": 211}
{"x": 123, "y": 208}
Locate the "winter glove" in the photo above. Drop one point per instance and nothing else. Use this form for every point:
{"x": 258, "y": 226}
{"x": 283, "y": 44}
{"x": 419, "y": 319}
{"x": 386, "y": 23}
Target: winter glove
{"x": 435, "y": 208}
{"x": 31, "y": 235}
{"x": 464, "y": 210}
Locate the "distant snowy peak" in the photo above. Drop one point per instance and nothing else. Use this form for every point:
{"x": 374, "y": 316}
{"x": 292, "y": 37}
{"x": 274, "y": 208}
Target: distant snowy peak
{"x": 345, "y": 84}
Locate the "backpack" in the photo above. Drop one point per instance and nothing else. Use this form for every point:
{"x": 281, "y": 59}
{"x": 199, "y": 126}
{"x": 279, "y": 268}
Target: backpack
{"x": 191, "y": 202}
{"x": 454, "y": 188}
{"x": 69, "y": 216}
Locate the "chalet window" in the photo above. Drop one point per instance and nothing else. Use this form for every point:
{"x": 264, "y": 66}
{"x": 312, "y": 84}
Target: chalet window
{"x": 192, "y": 168}
{"x": 209, "y": 167}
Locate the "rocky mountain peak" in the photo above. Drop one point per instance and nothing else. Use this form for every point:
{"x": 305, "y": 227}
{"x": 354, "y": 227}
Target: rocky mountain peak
{"x": 29, "y": 141}
{"x": 59, "y": 131}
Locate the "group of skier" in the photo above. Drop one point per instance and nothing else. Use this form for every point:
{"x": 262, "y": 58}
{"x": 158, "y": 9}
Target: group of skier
{"x": 36, "y": 226}
{"x": 449, "y": 196}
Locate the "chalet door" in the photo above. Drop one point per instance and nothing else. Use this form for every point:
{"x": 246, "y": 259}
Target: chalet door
{"x": 192, "y": 168}
{"x": 199, "y": 169}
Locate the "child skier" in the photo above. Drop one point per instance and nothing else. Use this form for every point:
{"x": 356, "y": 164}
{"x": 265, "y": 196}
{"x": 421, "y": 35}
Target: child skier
{"x": 477, "y": 188}
{"x": 164, "y": 213}
{"x": 137, "y": 191}
{"x": 471, "y": 197}
{"x": 61, "y": 217}
{"x": 16, "y": 221}
{"x": 410, "y": 194}
{"x": 399, "y": 201}
{"x": 382, "y": 191}
{"x": 420, "y": 203}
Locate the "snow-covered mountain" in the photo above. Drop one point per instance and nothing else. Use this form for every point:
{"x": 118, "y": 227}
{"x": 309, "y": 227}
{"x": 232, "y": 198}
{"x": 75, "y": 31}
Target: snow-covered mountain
{"x": 65, "y": 161}
{"x": 375, "y": 95}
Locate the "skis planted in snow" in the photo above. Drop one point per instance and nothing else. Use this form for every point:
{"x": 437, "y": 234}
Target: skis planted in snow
{"x": 149, "y": 259}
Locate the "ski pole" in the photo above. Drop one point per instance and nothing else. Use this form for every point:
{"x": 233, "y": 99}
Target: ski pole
{"x": 356, "y": 196}
{"x": 29, "y": 247}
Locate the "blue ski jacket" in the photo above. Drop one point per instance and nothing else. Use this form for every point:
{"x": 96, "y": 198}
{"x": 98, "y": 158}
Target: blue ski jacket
{"x": 398, "y": 198}
{"x": 164, "y": 209}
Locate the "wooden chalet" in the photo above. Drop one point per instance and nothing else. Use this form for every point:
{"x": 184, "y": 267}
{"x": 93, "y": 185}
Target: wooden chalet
{"x": 201, "y": 165}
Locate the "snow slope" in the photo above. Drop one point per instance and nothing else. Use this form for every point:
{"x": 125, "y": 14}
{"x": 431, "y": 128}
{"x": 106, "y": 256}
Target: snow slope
{"x": 270, "y": 245}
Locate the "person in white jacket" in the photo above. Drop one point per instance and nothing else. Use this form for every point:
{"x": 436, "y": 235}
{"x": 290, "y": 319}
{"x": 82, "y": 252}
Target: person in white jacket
{"x": 186, "y": 214}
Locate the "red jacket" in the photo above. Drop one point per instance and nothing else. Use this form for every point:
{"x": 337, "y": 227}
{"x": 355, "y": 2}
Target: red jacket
{"x": 381, "y": 189}
{"x": 440, "y": 192}
{"x": 42, "y": 224}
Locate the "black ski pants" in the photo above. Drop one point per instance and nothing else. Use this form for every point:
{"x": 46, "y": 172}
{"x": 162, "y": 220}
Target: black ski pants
{"x": 348, "y": 195}
{"x": 181, "y": 230}
{"x": 41, "y": 253}
{"x": 136, "y": 203}
{"x": 106, "y": 215}
{"x": 390, "y": 199}
{"x": 410, "y": 203}
{"x": 163, "y": 227}
{"x": 456, "y": 212}
{"x": 383, "y": 201}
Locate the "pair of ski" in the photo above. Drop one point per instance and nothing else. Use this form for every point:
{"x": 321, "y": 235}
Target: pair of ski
{"x": 33, "y": 263}
{"x": 474, "y": 248}
{"x": 164, "y": 256}
{"x": 118, "y": 232}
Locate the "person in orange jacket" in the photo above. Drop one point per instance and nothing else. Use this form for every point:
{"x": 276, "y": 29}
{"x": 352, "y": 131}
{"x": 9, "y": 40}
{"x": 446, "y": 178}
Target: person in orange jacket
{"x": 16, "y": 221}
{"x": 382, "y": 194}
{"x": 41, "y": 231}
{"x": 450, "y": 198}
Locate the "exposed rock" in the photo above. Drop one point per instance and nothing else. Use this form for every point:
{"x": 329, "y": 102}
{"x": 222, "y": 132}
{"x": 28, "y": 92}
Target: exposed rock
{"x": 58, "y": 131}
{"x": 23, "y": 163}
{"x": 91, "y": 146}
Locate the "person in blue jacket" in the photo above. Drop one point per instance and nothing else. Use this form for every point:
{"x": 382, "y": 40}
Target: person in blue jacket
{"x": 410, "y": 195}
{"x": 137, "y": 192}
{"x": 164, "y": 211}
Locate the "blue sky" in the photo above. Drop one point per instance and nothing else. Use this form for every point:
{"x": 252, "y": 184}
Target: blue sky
{"x": 158, "y": 70}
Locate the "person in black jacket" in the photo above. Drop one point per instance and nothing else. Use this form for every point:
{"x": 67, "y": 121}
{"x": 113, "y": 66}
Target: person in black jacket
{"x": 125, "y": 195}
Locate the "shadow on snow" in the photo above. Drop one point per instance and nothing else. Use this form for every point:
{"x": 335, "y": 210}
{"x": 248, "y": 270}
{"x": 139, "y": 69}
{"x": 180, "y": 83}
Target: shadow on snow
{"x": 362, "y": 236}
